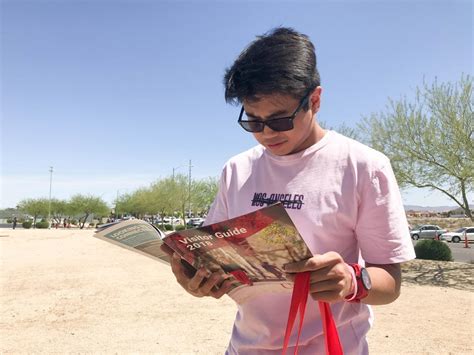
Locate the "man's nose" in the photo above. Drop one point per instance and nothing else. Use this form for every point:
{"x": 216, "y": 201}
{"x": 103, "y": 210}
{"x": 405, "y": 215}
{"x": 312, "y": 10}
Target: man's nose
{"x": 268, "y": 131}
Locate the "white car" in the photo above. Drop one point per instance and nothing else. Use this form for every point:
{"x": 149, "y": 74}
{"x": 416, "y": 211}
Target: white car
{"x": 195, "y": 222}
{"x": 172, "y": 220}
{"x": 458, "y": 235}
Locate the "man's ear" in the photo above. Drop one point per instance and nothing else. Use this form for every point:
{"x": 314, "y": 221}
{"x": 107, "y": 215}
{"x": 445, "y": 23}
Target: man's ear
{"x": 315, "y": 99}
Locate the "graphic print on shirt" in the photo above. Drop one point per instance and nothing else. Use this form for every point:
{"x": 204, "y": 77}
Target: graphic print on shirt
{"x": 289, "y": 201}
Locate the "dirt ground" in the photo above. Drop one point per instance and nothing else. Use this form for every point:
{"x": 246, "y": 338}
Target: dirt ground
{"x": 63, "y": 291}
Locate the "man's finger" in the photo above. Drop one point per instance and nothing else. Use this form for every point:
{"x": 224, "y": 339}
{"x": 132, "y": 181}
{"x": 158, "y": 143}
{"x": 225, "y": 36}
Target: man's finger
{"x": 326, "y": 285}
{"x": 311, "y": 264}
{"x": 177, "y": 268}
{"x": 222, "y": 290}
{"x": 206, "y": 287}
{"x": 314, "y": 263}
{"x": 326, "y": 296}
{"x": 195, "y": 283}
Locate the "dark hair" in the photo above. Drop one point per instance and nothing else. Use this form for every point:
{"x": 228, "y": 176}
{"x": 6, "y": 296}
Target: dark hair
{"x": 280, "y": 61}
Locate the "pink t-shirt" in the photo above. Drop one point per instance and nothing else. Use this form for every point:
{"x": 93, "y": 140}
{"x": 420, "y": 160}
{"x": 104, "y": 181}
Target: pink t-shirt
{"x": 343, "y": 197}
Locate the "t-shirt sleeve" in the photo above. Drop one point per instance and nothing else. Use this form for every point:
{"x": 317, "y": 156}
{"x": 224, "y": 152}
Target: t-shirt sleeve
{"x": 382, "y": 228}
{"x": 218, "y": 211}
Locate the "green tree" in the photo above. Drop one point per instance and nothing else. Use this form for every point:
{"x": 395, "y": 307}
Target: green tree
{"x": 162, "y": 196}
{"x": 38, "y": 207}
{"x": 180, "y": 192}
{"x": 139, "y": 203}
{"x": 59, "y": 209}
{"x": 430, "y": 140}
{"x": 203, "y": 193}
{"x": 124, "y": 205}
{"x": 88, "y": 205}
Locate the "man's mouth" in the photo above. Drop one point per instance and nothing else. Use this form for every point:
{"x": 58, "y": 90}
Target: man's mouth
{"x": 274, "y": 145}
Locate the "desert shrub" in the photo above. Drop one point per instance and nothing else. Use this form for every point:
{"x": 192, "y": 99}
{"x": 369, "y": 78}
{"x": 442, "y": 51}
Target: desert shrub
{"x": 433, "y": 250}
{"x": 179, "y": 227}
{"x": 91, "y": 225}
{"x": 26, "y": 224}
{"x": 42, "y": 225}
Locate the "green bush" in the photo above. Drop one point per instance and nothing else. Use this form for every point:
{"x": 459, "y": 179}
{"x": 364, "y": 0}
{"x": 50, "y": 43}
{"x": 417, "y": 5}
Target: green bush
{"x": 179, "y": 227}
{"x": 433, "y": 250}
{"x": 9, "y": 220}
{"x": 42, "y": 225}
{"x": 26, "y": 224}
{"x": 168, "y": 227}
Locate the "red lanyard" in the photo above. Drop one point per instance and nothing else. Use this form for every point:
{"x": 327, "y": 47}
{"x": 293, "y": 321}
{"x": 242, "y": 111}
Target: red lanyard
{"x": 298, "y": 305}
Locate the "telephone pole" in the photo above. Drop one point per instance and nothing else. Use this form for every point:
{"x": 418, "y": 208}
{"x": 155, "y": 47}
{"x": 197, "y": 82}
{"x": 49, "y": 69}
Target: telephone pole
{"x": 50, "y": 184}
{"x": 189, "y": 188}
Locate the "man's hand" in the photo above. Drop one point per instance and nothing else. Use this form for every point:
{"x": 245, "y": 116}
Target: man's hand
{"x": 331, "y": 278}
{"x": 201, "y": 284}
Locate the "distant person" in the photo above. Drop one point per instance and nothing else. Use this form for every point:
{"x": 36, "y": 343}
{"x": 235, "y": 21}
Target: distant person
{"x": 64, "y": 223}
{"x": 341, "y": 195}
{"x": 15, "y": 221}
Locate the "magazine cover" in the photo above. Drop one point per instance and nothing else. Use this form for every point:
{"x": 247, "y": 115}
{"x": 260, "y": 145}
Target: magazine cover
{"x": 136, "y": 235}
{"x": 253, "y": 248}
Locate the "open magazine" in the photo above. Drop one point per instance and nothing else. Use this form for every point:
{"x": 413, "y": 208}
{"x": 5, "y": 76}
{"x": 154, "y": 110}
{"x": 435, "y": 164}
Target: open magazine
{"x": 253, "y": 248}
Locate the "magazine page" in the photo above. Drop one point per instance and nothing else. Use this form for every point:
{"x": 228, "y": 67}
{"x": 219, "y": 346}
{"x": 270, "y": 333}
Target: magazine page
{"x": 136, "y": 235}
{"x": 253, "y": 248}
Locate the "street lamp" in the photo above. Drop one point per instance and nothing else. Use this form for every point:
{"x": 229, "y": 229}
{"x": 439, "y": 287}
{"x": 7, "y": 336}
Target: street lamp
{"x": 189, "y": 188}
{"x": 174, "y": 169}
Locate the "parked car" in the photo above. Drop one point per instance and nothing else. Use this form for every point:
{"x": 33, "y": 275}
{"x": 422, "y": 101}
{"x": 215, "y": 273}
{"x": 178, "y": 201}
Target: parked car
{"x": 426, "y": 231}
{"x": 172, "y": 220}
{"x": 195, "y": 222}
{"x": 458, "y": 235}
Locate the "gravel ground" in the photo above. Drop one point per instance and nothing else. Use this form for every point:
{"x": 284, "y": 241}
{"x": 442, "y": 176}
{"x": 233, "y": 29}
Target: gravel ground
{"x": 64, "y": 291}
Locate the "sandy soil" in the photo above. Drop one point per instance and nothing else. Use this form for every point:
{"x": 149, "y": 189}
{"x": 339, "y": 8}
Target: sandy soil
{"x": 67, "y": 292}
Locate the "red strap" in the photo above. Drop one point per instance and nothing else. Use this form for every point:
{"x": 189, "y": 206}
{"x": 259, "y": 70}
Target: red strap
{"x": 298, "y": 305}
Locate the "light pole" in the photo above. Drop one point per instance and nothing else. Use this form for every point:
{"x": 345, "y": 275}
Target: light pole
{"x": 189, "y": 188}
{"x": 116, "y": 205}
{"x": 174, "y": 169}
{"x": 50, "y": 184}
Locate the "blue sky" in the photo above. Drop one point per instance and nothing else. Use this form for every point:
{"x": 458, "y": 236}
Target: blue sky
{"x": 115, "y": 94}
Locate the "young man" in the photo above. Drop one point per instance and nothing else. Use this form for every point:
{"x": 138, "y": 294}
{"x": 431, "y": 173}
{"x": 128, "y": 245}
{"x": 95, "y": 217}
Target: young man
{"x": 342, "y": 196}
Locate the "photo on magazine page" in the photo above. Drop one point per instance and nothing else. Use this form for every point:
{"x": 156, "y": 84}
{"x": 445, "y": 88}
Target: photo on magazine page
{"x": 252, "y": 248}
{"x": 136, "y": 235}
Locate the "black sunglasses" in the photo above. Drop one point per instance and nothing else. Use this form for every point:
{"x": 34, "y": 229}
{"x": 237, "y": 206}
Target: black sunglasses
{"x": 280, "y": 124}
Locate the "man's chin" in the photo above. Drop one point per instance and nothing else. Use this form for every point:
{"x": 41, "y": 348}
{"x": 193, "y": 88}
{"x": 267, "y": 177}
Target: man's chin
{"x": 279, "y": 149}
